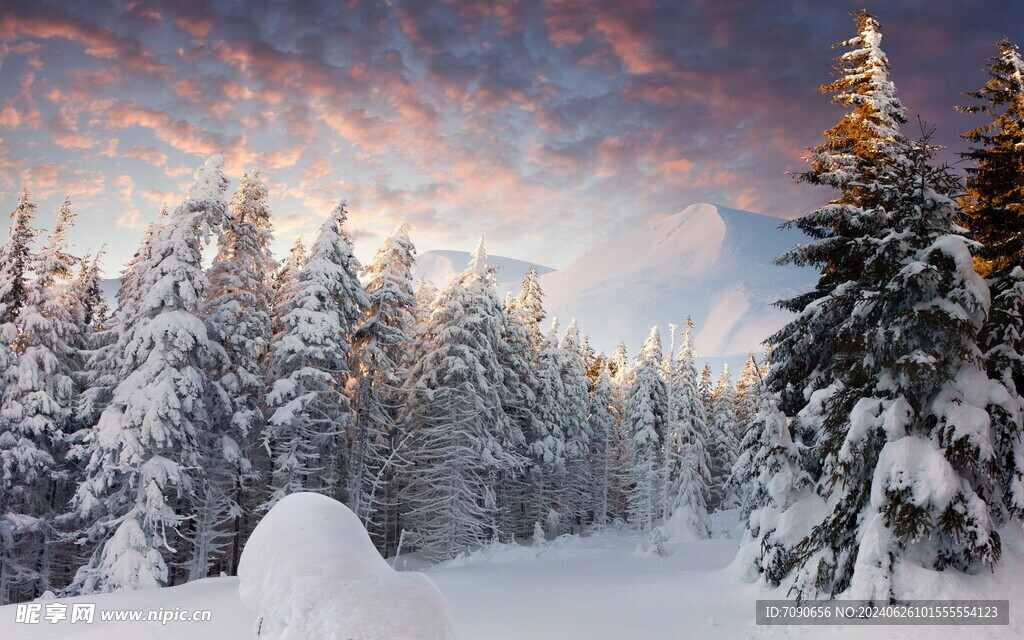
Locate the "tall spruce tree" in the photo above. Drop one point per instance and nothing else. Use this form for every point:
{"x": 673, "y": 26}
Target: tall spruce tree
{"x": 849, "y": 160}
{"x": 39, "y": 399}
{"x": 578, "y": 435}
{"x": 994, "y": 213}
{"x": 646, "y": 418}
{"x": 687, "y": 465}
{"x": 16, "y": 259}
{"x": 309, "y": 413}
{"x": 144, "y": 454}
{"x": 237, "y": 309}
{"x": 380, "y": 343}
{"x": 772, "y": 479}
{"x": 548, "y": 439}
{"x": 885, "y": 353}
{"x": 601, "y": 420}
{"x": 723, "y": 446}
{"x": 461, "y": 439}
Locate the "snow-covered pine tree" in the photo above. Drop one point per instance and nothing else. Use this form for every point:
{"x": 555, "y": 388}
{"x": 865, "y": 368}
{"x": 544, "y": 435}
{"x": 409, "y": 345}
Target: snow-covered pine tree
{"x": 547, "y": 445}
{"x": 101, "y": 372}
{"x": 237, "y": 310}
{"x": 772, "y": 480}
{"x": 592, "y": 362}
{"x": 601, "y": 421}
{"x": 16, "y": 259}
{"x": 621, "y": 368}
{"x": 848, "y": 160}
{"x": 578, "y": 435}
{"x": 723, "y": 447}
{"x": 39, "y": 398}
{"x": 288, "y": 272}
{"x": 91, "y": 301}
{"x": 687, "y": 465}
{"x": 380, "y": 343}
{"x": 706, "y": 387}
{"x": 461, "y": 439}
{"x": 907, "y": 417}
{"x": 645, "y": 418}
{"x": 309, "y": 413}
{"x": 746, "y": 400}
{"x": 519, "y": 401}
{"x": 994, "y": 213}
{"x": 529, "y": 309}
{"x": 908, "y": 440}
{"x": 144, "y": 453}
{"x": 426, "y": 296}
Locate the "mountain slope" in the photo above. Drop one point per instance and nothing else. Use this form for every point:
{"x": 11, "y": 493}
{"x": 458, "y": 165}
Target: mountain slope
{"x": 708, "y": 261}
{"x": 440, "y": 265}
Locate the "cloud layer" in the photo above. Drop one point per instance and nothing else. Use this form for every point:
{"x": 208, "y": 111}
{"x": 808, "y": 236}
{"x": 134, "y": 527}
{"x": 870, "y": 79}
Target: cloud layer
{"x": 545, "y": 125}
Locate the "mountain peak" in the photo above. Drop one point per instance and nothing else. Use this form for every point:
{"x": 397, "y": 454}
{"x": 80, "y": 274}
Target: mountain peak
{"x": 709, "y": 261}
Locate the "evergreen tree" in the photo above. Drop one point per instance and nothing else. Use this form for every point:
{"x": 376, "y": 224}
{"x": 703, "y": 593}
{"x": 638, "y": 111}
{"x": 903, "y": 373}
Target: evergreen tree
{"x": 461, "y": 439}
{"x": 39, "y": 398}
{"x": 621, "y": 370}
{"x": 687, "y": 473}
{"x": 237, "y": 309}
{"x": 91, "y": 301}
{"x": 426, "y": 296}
{"x": 849, "y": 160}
{"x": 746, "y": 392}
{"x": 519, "y": 401}
{"x": 380, "y": 343}
{"x": 529, "y": 309}
{"x": 994, "y": 212}
{"x": 723, "y": 447}
{"x": 16, "y": 260}
{"x": 601, "y": 421}
{"x": 548, "y": 443}
{"x": 309, "y": 413}
{"x": 144, "y": 454}
{"x": 770, "y": 473}
{"x": 101, "y": 372}
{"x": 646, "y": 418}
{"x": 885, "y": 354}
{"x": 578, "y": 435}
{"x": 994, "y": 202}
{"x": 706, "y": 386}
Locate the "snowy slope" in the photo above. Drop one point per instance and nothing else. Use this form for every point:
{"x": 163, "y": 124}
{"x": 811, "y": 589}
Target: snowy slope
{"x": 595, "y": 587}
{"x": 440, "y": 265}
{"x": 707, "y": 261}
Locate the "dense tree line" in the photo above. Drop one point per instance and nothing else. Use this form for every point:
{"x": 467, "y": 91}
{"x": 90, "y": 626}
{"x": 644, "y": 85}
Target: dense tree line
{"x": 139, "y": 445}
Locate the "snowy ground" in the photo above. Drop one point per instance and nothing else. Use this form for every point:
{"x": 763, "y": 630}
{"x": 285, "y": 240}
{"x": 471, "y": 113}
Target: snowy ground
{"x": 593, "y": 588}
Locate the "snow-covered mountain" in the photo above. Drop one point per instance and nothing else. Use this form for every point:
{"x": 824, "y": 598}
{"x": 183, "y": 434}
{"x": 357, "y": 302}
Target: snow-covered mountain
{"x": 707, "y": 261}
{"x": 439, "y": 266}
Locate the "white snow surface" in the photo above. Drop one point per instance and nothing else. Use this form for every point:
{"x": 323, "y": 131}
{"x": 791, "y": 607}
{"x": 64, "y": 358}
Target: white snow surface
{"x": 593, "y": 588}
{"x": 707, "y": 261}
{"x": 309, "y": 570}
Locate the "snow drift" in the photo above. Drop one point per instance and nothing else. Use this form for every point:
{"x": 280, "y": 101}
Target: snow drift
{"x": 310, "y": 571}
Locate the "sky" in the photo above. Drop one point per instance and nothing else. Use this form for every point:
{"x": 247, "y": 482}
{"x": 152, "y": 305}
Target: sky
{"x": 545, "y": 126}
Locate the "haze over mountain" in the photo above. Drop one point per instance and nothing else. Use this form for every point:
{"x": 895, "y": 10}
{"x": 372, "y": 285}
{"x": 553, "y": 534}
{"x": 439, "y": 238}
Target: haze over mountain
{"x": 440, "y": 265}
{"x": 707, "y": 261}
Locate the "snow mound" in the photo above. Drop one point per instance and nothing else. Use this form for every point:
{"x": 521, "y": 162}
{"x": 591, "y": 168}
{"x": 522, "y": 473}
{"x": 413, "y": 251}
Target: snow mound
{"x": 310, "y": 572}
{"x": 687, "y": 525}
